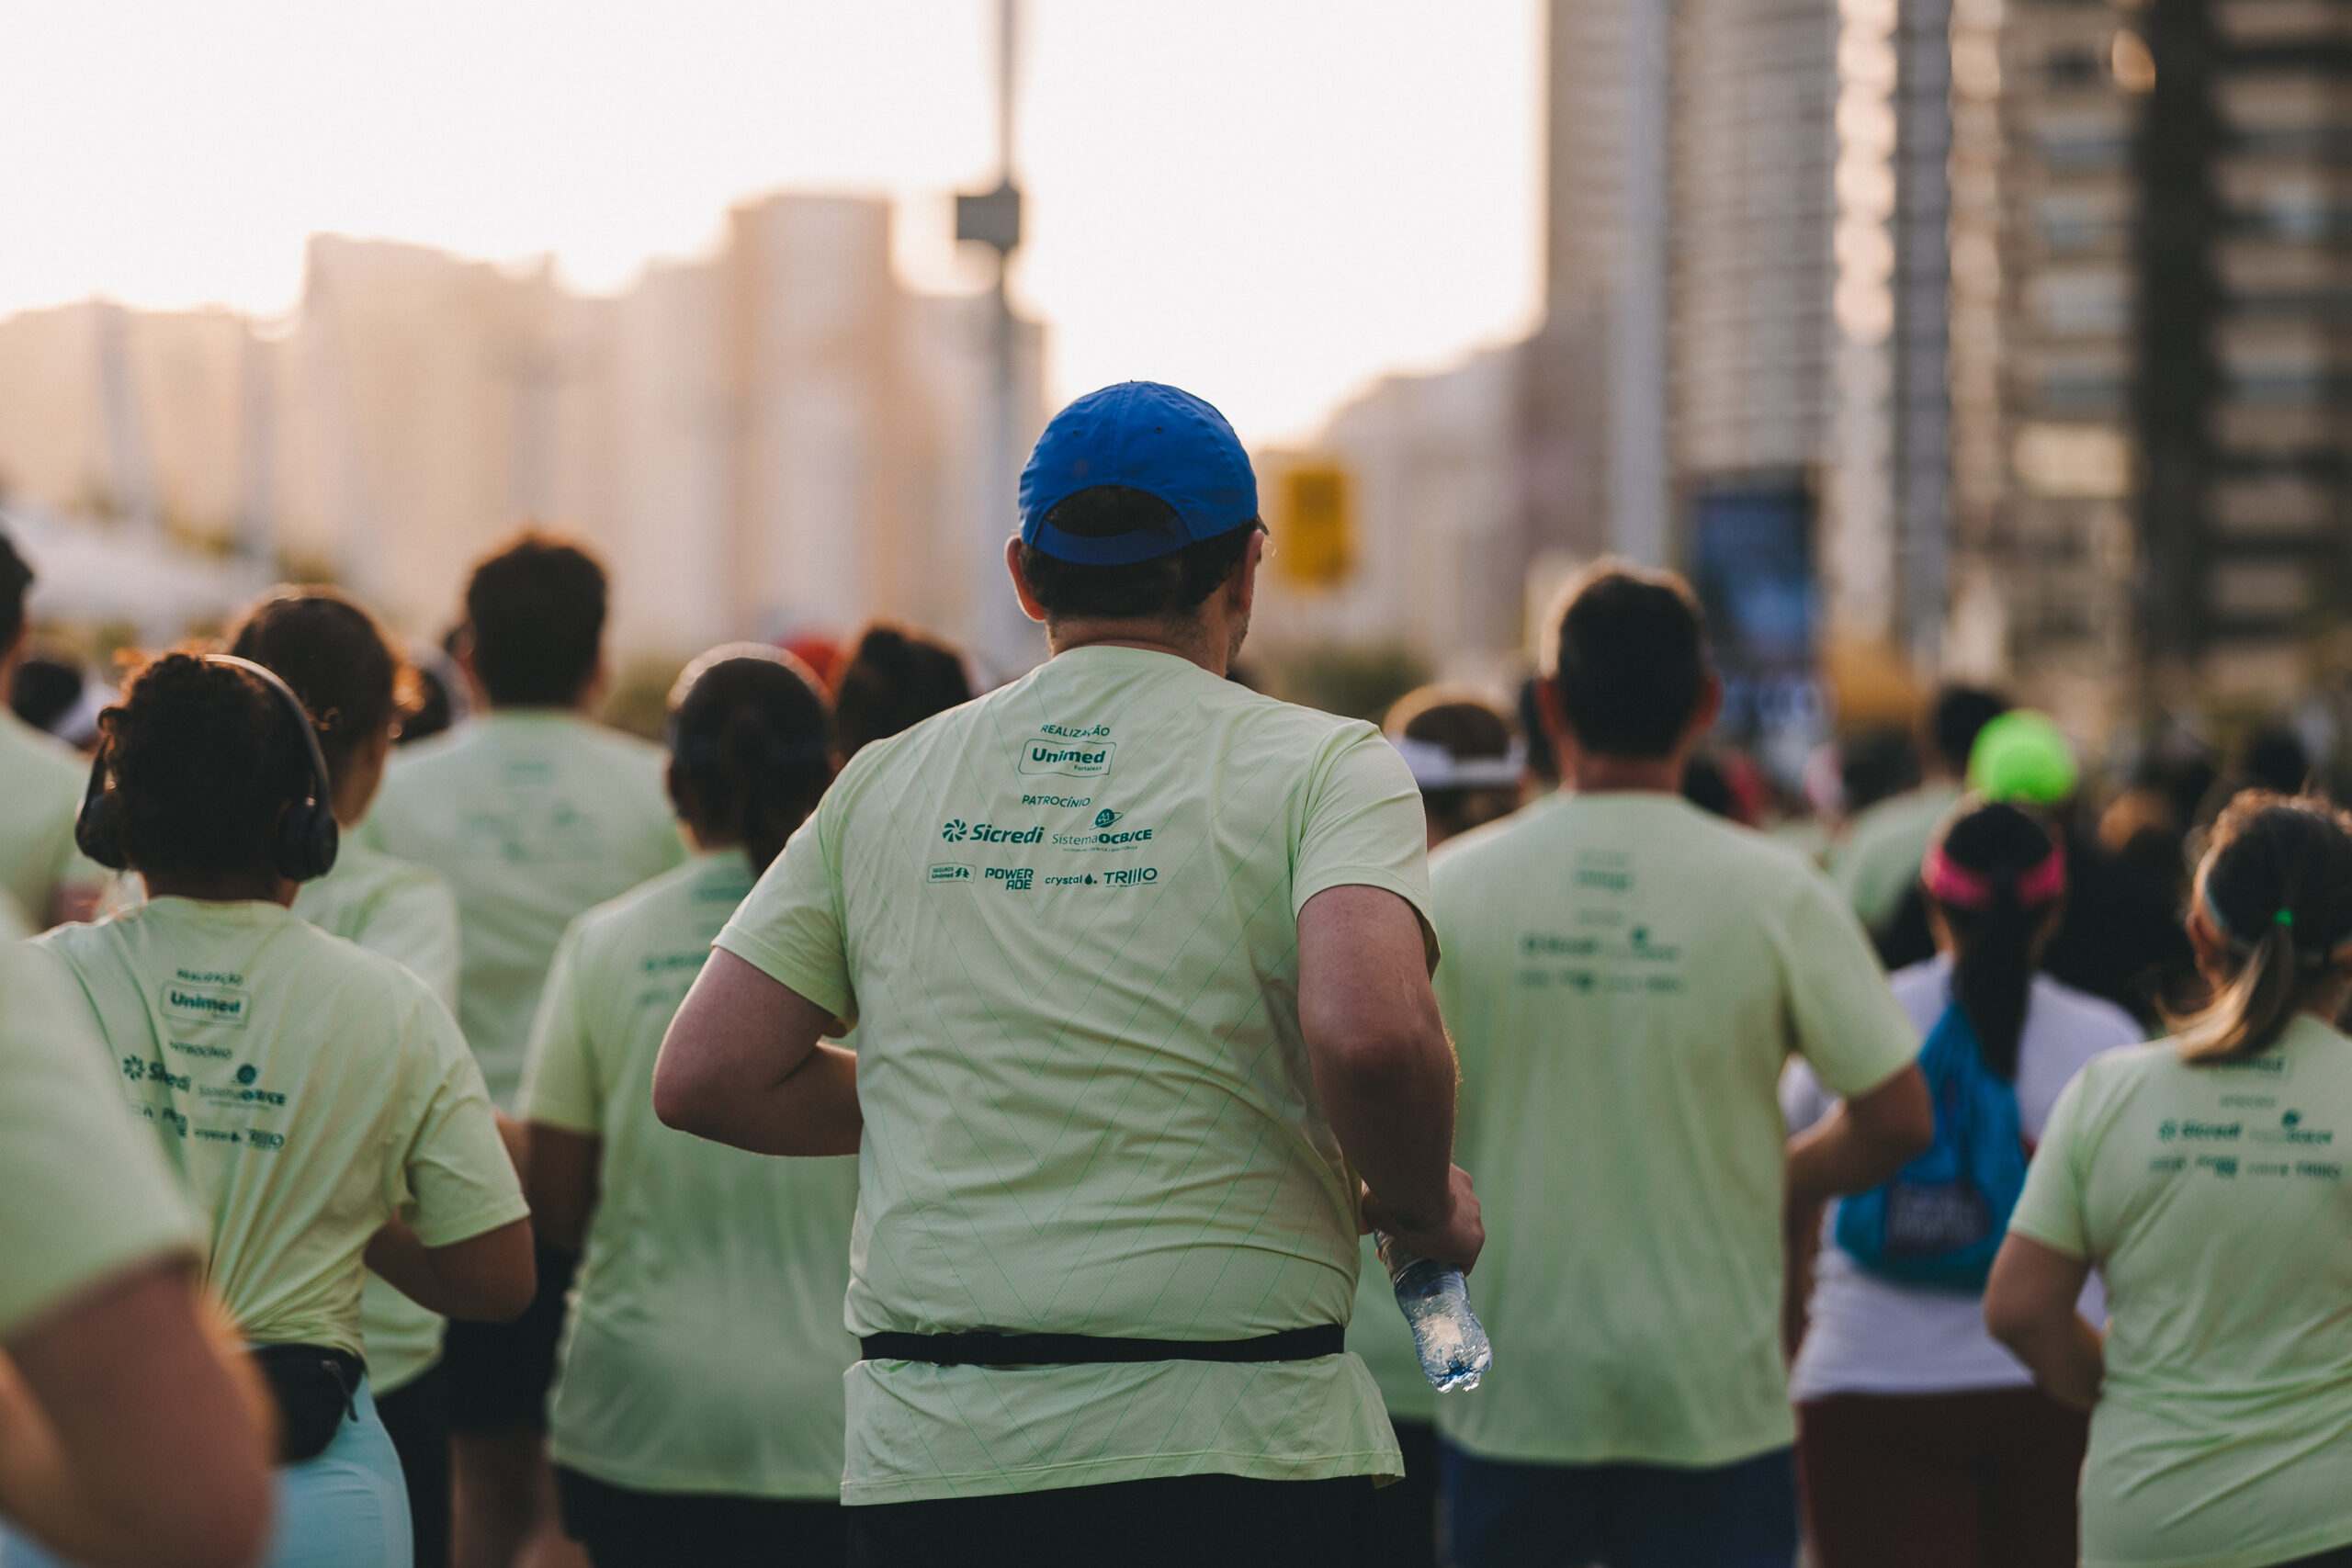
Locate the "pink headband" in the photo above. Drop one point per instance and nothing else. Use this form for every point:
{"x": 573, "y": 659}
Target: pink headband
{"x": 1947, "y": 882}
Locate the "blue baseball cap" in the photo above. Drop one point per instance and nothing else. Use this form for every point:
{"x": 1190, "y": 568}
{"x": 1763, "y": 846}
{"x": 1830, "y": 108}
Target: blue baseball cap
{"x": 1141, "y": 435}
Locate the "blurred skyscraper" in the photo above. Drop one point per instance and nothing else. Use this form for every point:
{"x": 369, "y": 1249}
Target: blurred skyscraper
{"x": 777, "y": 437}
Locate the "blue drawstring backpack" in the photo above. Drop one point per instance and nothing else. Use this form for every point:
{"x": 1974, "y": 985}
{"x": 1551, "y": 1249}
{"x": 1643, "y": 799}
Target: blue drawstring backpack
{"x": 1941, "y": 1219}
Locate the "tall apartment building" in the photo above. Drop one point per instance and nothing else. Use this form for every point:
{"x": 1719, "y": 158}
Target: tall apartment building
{"x": 2152, "y": 345}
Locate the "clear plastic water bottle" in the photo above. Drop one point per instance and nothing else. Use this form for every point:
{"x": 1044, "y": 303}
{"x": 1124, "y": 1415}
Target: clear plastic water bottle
{"x": 1435, "y": 1300}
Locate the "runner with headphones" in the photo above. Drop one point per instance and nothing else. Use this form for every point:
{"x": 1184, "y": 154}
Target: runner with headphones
{"x": 315, "y": 1099}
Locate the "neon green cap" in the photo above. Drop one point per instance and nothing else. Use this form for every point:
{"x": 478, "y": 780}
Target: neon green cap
{"x": 2021, "y": 756}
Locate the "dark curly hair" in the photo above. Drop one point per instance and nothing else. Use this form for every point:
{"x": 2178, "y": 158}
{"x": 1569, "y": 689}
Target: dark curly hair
{"x": 896, "y": 679}
{"x": 750, "y": 751}
{"x": 204, "y": 759}
{"x": 337, "y": 660}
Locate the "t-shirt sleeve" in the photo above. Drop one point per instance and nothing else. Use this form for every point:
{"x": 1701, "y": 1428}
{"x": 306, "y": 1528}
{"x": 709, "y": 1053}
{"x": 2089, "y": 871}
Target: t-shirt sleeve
{"x": 790, "y": 928}
{"x": 417, "y": 925}
{"x": 1364, "y": 827}
{"x": 2050, "y": 1210}
{"x": 1846, "y": 1023}
{"x": 84, "y": 1193}
{"x": 558, "y": 1073}
{"x": 460, "y": 1182}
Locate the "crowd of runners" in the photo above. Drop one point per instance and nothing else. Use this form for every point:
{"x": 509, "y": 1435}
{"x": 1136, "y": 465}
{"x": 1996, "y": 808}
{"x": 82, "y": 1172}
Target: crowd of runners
{"x": 888, "y": 1125}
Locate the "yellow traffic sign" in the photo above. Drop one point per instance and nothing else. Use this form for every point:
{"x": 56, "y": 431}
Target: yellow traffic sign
{"x": 1315, "y": 542}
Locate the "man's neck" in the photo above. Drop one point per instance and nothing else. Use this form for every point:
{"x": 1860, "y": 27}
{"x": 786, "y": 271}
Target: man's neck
{"x": 1194, "y": 640}
{"x": 1591, "y": 775}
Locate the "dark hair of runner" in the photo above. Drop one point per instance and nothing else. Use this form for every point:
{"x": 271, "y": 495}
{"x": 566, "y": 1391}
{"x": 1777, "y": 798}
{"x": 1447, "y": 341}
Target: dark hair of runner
{"x": 15, "y": 578}
{"x": 534, "y": 615}
{"x": 337, "y": 660}
{"x": 895, "y": 679}
{"x": 1629, "y": 659}
{"x": 750, "y": 751}
{"x": 204, "y": 759}
{"x": 2275, "y": 888}
{"x": 1995, "y": 949}
{"x": 1959, "y": 712}
{"x": 1467, "y": 726}
{"x": 1165, "y": 588}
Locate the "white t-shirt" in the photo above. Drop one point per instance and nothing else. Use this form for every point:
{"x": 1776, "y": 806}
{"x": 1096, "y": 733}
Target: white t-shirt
{"x": 1871, "y": 1334}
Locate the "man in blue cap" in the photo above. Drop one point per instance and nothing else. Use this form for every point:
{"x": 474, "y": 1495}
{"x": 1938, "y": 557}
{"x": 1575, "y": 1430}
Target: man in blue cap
{"x": 1139, "y": 964}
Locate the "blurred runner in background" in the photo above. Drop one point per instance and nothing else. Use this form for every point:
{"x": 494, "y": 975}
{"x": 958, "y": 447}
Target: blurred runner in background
{"x": 2203, "y": 1177}
{"x": 357, "y": 690}
{"x": 1921, "y": 1443}
{"x": 41, "y": 780}
{"x": 534, "y": 814}
{"x": 896, "y": 678}
{"x": 697, "y": 1412}
{"x": 1624, "y": 975}
{"x": 1876, "y": 859}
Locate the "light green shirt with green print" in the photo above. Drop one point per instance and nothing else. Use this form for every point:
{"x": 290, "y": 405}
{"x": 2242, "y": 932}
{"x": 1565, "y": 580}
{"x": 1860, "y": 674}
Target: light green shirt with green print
{"x": 1625, "y": 977}
{"x": 2212, "y": 1201}
{"x": 705, "y": 1350}
{"x": 535, "y": 815}
{"x": 1064, "y": 918}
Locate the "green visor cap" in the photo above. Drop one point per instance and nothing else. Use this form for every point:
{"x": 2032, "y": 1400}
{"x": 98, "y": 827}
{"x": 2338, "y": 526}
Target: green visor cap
{"x": 2021, "y": 756}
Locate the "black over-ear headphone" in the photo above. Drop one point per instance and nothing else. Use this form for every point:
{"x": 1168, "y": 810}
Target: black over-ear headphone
{"x": 307, "y": 835}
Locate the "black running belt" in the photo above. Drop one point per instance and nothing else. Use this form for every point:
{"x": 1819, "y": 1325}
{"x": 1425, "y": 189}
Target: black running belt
{"x": 985, "y": 1349}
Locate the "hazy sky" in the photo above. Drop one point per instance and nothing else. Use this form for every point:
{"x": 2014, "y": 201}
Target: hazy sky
{"x": 1270, "y": 202}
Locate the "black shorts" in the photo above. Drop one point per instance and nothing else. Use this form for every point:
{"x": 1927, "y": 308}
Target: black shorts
{"x": 500, "y": 1373}
{"x": 1178, "y": 1522}
{"x": 625, "y": 1529}
{"x": 416, "y": 1414}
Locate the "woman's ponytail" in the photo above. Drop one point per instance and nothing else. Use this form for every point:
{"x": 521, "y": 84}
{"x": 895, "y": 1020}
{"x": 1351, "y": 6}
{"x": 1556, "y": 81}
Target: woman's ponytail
{"x": 1997, "y": 875}
{"x": 2274, "y": 893}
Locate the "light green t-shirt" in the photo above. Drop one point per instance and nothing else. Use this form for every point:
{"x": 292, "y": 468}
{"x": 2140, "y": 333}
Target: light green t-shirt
{"x": 407, "y": 913}
{"x": 1625, "y": 977}
{"x": 1878, "y": 860}
{"x": 42, "y": 779}
{"x": 84, "y": 1194}
{"x": 535, "y": 816}
{"x": 306, "y": 1091}
{"x": 1064, "y": 919}
{"x": 2213, "y": 1202}
{"x": 705, "y": 1350}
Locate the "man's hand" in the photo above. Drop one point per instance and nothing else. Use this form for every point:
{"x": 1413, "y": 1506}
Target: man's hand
{"x": 1455, "y": 1236}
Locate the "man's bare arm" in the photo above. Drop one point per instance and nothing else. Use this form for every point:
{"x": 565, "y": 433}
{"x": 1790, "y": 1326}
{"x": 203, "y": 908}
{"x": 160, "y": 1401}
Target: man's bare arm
{"x": 745, "y": 1063}
{"x": 1383, "y": 1067}
{"x": 126, "y": 1434}
{"x": 488, "y": 1278}
{"x": 1862, "y": 1141}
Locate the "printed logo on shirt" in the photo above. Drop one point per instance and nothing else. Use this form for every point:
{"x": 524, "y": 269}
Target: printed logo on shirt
{"x": 1081, "y": 759}
{"x": 1131, "y": 876}
{"x": 192, "y": 1003}
{"x": 1065, "y": 732}
{"x": 956, "y": 830}
{"x": 2290, "y": 1129}
{"x": 1117, "y": 839}
{"x": 1073, "y": 801}
{"x": 139, "y": 1071}
{"x": 1105, "y": 816}
{"x": 947, "y": 872}
{"x": 211, "y": 1052}
{"x": 1016, "y": 878}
